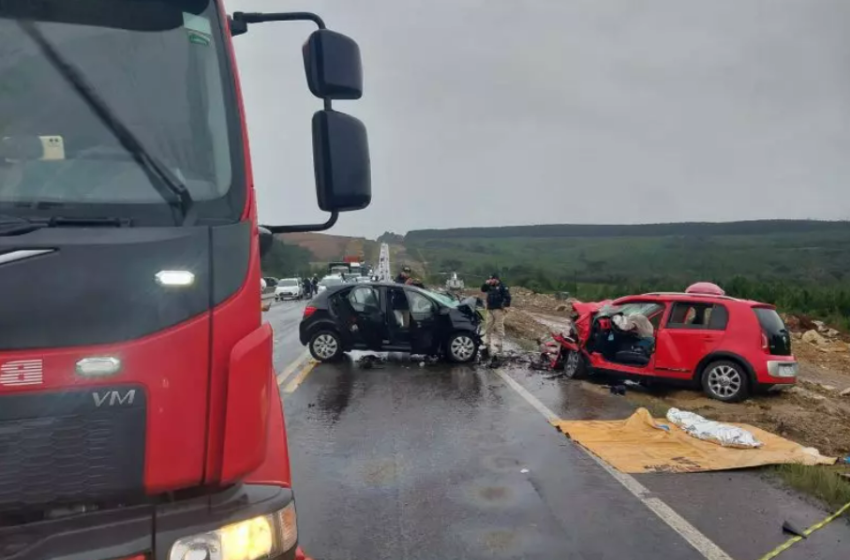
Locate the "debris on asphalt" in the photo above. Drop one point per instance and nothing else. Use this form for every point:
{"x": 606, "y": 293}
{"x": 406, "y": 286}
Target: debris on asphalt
{"x": 709, "y": 430}
{"x": 617, "y": 390}
{"x": 524, "y": 471}
{"x": 793, "y": 528}
{"x": 639, "y": 444}
{"x": 370, "y": 361}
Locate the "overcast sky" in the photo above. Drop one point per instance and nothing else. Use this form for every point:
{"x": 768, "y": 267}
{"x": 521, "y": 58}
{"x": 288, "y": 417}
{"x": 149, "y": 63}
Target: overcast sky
{"x": 507, "y": 112}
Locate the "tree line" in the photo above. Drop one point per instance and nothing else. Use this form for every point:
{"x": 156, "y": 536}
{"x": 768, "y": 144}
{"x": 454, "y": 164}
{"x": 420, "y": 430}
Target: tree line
{"x": 751, "y": 227}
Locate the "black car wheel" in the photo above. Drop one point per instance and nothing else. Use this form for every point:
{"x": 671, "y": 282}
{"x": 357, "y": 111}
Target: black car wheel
{"x": 725, "y": 381}
{"x": 325, "y": 346}
{"x": 461, "y": 348}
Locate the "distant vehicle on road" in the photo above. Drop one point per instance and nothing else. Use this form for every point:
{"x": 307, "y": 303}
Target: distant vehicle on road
{"x": 328, "y": 281}
{"x": 289, "y": 288}
{"x": 730, "y": 347}
{"x": 390, "y": 317}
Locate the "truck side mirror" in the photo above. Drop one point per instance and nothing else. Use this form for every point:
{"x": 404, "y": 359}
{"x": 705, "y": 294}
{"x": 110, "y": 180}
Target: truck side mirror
{"x": 341, "y": 162}
{"x": 333, "y": 65}
{"x": 266, "y": 241}
{"x": 340, "y": 145}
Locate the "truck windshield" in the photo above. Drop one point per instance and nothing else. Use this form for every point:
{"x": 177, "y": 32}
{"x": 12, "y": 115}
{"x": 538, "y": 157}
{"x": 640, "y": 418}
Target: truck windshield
{"x": 158, "y": 66}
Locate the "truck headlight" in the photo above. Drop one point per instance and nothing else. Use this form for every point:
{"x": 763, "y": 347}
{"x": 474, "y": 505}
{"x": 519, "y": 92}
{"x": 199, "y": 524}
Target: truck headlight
{"x": 265, "y": 536}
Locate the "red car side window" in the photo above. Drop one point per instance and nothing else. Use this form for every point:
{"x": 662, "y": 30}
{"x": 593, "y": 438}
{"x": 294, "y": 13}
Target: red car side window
{"x": 687, "y": 315}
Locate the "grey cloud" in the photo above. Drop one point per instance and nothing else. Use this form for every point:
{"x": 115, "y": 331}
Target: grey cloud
{"x": 497, "y": 112}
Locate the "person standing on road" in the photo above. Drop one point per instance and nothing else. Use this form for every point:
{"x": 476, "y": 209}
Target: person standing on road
{"x": 307, "y": 287}
{"x": 498, "y": 301}
{"x": 406, "y": 277}
{"x": 315, "y": 283}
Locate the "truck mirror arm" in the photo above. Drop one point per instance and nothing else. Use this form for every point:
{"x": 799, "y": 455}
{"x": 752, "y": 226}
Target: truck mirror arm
{"x": 240, "y": 20}
{"x": 305, "y": 227}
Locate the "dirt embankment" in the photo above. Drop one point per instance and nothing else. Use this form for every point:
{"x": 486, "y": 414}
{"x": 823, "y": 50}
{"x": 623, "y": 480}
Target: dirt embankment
{"x": 814, "y": 413}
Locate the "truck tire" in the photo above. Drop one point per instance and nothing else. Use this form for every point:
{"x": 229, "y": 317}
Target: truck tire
{"x": 325, "y": 346}
{"x": 725, "y": 381}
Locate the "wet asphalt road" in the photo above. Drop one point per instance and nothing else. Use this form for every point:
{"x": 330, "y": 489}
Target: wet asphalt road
{"x": 441, "y": 462}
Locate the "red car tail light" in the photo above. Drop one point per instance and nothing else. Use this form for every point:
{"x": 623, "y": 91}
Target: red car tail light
{"x": 309, "y": 310}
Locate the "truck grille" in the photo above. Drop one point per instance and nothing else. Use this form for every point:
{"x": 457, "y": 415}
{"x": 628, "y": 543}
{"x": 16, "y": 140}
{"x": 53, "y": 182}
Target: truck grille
{"x": 71, "y": 447}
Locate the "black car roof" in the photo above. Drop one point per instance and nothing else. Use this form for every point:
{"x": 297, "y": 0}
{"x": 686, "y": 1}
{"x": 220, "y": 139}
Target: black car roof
{"x": 337, "y": 287}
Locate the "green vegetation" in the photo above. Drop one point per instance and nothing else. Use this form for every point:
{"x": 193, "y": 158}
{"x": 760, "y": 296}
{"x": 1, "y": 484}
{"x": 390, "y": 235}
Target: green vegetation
{"x": 284, "y": 260}
{"x": 824, "y": 483}
{"x": 801, "y": 266}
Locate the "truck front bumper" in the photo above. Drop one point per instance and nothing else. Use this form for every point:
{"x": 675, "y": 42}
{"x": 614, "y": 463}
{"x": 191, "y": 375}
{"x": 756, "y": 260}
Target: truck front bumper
{"x": 164, "y": 531}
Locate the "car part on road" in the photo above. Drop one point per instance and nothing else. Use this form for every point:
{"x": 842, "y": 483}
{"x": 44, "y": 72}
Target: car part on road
{"x": 326, "y": 346}
{"x": 370, "y": 361}
{"x": 725, "y": 381}
{"x": 798, "y": 536}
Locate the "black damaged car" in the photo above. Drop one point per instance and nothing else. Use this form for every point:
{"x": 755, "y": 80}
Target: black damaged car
{"x": 391, "y": 318}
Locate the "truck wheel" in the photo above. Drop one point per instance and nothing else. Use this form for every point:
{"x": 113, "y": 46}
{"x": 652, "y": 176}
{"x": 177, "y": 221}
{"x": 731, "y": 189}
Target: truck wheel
{"x": 725, "y": 381}
{"x": 325, "y": 346}
{"x": 574, "y": 366}
{"x": 461, "y": 348}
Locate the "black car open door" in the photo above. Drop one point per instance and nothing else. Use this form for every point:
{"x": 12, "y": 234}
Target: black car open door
{"x": 423, "y": 322}
{"x": 370, "y": 322}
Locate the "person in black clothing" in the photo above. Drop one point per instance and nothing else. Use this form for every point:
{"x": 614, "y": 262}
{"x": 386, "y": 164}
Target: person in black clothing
{"x": 406, "y": 277}
{"x": 307, "y": 288}
{"x": 498, "y": 301}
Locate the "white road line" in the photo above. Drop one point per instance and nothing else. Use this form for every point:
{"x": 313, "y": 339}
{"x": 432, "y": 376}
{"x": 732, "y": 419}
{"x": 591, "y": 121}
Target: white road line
{"x": 290, "y": 369}
{"x": 676, "y": 522}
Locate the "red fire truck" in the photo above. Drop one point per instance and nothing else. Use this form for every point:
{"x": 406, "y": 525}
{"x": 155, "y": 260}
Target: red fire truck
{"x": 139, "y": 414}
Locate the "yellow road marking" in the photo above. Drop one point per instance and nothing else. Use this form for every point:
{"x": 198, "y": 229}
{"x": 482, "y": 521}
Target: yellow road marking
{"x": 297, "y": 363}
{"x": 302, "y": 375}
{"x": 793, "y": 540}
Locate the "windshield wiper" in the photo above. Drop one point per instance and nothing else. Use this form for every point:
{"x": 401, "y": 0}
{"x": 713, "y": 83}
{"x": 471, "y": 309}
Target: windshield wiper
{"x": 15, "y": 225}
{"x": 164, "y": 181}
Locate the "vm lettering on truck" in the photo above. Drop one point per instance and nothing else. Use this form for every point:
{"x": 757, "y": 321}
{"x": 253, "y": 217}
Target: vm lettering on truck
{"x": 114, "y": 398}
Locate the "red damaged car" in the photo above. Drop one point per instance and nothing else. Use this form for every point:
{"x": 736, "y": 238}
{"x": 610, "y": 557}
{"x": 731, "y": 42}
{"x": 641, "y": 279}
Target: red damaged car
{"x": 731, "y": 347}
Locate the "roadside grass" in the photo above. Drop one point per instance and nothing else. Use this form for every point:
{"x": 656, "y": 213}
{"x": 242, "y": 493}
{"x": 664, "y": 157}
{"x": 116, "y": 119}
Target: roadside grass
{"x": 822, "y": 482}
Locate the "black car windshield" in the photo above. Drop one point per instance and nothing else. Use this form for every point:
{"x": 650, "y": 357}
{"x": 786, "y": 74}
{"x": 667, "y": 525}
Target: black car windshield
{"x": 158, "y": 67}
{"x": 442, "y": 299}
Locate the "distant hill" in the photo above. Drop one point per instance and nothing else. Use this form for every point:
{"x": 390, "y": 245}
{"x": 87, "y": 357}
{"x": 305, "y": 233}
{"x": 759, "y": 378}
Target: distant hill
{"x": 325, "y": 248}
{"x": 799, "y": 251}
{"x": 752, "y": 227}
